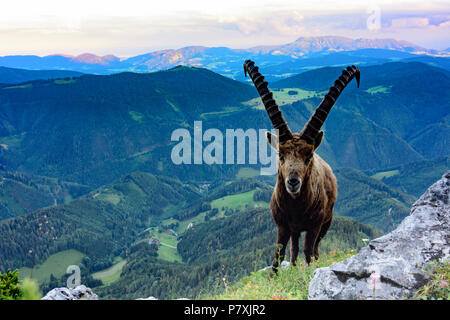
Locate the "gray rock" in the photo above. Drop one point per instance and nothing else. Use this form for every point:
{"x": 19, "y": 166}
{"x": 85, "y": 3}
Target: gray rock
{"x": 284, "y": 264}
{"x": 77, "y": 293}
{"x": 149, "y": 298}
{"x": 392, "y": 266}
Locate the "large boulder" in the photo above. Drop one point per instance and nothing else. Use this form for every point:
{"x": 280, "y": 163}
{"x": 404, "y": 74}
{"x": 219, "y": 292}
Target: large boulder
{"x": 392, "y": 266}
{"x": 78, "y": 293}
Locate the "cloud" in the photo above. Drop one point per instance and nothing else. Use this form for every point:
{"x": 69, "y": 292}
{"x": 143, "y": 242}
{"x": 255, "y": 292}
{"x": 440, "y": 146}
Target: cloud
{"x": 410, "y": 22}
{"x": 139, "y": 26}
{"x": 445, "y": 24}
{"x": 282, "y": 23}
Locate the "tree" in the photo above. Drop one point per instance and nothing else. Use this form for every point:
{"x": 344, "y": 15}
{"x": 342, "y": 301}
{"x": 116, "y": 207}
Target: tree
{"x": 9, "y": 285}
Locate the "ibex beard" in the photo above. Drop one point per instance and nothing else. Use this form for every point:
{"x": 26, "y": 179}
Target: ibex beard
{"x": 306, "y": 188}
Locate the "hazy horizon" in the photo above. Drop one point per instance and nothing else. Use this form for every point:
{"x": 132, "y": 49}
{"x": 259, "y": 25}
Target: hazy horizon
{"x": 137, "y": 27}
{"x": 177, "y": 48}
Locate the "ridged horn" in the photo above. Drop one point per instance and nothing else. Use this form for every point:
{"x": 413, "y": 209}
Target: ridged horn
{"x": 312, "y": 127}
{"x": 274, "y": 112}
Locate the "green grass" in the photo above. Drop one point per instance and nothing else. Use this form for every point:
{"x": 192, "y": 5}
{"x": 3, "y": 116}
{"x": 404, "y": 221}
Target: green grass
{"x": 171, "y": 210}
{"x": 169, "y": 239}
{"x": 55, "y": 264}
{"x": 290, "y": 284}
{"x": 168, "y": 254}
{"x": 385, "y": 174}
{"x": 13, "y": 140}
{"x": 282, "y": 97}
{"x": 110, "y": 196}
{"x": 247, "y": 173}
{"x": 136, "y": 116}
{"x": 378, "y": 89}
{"x": 68, "y": 198}
{"x": 173, "y": 105}
{"x": 236, "y": 201}
{"x": 111, "y": 274}
{"x": 168, "y": 248}
{"x": 24, "y": 86}
{"x": 169, "y": 221}
{"x": 219, "y": 114}
{"x": 200, "y": 218}
{"x": 63, "y": 81}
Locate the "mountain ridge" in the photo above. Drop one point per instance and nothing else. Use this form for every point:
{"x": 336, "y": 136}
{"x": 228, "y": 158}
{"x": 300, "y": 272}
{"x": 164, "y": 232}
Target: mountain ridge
{"x": 14, "y": 75}
{"x": 213, "y": 57}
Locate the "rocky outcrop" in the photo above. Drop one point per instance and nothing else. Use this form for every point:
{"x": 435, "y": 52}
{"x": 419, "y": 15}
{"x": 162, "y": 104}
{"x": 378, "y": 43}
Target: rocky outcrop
{"x": 78, "y": 293}
{"x": 392, "y": 266}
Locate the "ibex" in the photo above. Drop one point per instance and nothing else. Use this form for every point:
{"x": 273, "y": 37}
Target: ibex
{"x": 306, "y": 188}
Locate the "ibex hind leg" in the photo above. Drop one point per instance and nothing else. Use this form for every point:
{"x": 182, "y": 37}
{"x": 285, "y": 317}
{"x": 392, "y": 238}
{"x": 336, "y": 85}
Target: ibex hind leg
{"x": 283, "y": 235}
{"x": 322, "y": 233}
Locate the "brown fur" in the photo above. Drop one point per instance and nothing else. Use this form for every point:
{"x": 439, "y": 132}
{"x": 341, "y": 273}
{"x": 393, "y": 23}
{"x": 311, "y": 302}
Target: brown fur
{"x": 310, "y": 210}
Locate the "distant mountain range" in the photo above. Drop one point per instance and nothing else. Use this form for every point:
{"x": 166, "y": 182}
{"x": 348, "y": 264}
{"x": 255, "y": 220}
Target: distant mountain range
{"x": 279, "y": 60}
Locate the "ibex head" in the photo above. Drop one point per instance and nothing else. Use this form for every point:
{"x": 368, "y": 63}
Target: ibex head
{"x": 296, "y": 150}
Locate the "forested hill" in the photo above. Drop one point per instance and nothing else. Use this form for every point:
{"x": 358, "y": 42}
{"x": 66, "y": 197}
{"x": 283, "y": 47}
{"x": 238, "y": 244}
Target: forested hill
{"x": 95, "y": 129}
{"x": 218, "y": 253}
{"x": 101, "y": 224}
{"x": 13, "y": 75}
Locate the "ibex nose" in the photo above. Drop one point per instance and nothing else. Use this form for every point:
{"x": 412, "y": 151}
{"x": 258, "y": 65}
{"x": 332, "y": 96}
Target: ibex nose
{"x": 293, "y": 182}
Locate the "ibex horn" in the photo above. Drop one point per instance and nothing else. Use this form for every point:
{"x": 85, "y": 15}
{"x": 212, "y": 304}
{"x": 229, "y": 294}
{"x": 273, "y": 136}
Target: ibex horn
{"x": 274, "y": 112}
{"x": 312, "y": 127}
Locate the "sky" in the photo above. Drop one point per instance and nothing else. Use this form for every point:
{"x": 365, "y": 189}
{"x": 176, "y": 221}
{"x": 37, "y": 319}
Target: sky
{"x": 132, "y": 27}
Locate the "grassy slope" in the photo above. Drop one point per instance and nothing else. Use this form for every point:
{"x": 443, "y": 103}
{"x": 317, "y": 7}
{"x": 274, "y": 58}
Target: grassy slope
{"x": 111, "y": 274}
{"x": 55, "y": 264}
{"x": 291, "y": 283}
{"x": 236, "y": 201}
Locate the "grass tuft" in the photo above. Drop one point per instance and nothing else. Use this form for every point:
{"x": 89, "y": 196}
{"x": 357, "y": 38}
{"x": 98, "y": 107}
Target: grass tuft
{"x": 438, "y": 287}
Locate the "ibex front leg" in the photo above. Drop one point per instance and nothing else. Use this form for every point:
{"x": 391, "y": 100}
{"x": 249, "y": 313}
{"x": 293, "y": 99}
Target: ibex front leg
{"x": 310, "y": 241}
{"x": 294, "y": 247}
{"x": 283, "y": 235}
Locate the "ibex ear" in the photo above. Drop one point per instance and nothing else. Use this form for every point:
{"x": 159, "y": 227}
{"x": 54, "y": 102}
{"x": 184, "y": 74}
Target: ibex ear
{"x": 318, "y": 140}
{"x": 272, "y": 140}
